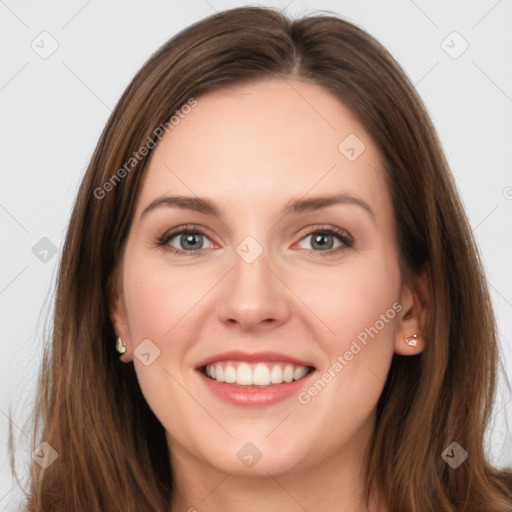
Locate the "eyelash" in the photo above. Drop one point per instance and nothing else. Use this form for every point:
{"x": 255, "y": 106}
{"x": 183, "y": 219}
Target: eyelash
{"x": 342, "y": 236}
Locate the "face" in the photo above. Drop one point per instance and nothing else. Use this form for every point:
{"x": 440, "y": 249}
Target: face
{"x": 262, "y": 313}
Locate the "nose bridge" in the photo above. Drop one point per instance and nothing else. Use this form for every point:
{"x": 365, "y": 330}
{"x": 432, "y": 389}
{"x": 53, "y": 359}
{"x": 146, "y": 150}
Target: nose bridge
{"x": 251, "y": 293}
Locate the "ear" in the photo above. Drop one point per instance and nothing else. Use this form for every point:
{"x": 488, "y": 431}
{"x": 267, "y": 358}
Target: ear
{"x": 118, "y": 317}
{"x": 415, "y": 299}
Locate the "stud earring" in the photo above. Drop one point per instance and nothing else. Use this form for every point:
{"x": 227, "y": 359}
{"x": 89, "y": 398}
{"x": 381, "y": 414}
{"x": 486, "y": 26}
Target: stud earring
{"x": 411, "y": 340}
{"x": 120, "y": 346}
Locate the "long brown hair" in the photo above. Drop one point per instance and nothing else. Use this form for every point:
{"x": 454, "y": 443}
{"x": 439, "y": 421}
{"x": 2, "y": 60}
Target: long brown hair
{"x": 112, "y": 451}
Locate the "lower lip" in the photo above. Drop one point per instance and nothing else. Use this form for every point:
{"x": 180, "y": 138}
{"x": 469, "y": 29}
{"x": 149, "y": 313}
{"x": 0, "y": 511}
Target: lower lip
{"x": 255, "y": 396}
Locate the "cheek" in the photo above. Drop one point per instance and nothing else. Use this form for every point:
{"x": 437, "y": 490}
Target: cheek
{"x": 360, "y": 302}
{"x": 158, "y": 299}
{"x": 357, "y": 305}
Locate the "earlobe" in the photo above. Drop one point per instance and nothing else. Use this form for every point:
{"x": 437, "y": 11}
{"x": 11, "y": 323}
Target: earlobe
{"x": 117, "y": 312}
{"x": 411, "y": 326}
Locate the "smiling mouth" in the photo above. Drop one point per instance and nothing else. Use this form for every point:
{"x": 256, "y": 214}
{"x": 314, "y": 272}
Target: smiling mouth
{"x": 238, "y": 373}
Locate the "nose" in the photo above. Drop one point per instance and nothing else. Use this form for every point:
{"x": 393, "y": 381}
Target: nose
{"x": 253, "y": 295}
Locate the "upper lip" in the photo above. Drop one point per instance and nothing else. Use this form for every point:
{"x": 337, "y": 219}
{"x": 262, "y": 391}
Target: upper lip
{"x": 237, "y": 355}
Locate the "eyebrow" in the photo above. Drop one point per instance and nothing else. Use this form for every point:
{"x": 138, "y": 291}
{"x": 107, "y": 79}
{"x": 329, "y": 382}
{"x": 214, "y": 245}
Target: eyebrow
{"x": 294, "y": 206}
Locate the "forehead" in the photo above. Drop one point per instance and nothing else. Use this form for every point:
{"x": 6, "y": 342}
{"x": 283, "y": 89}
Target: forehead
{"x": 266, "y": 141}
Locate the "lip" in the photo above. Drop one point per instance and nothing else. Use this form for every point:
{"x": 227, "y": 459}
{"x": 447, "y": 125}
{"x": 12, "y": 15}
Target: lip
{"x": 254, "y": 396}
{"x": 237, "y": 355}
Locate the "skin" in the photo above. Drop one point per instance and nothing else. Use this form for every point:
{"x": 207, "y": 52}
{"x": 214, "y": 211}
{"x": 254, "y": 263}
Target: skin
{"x": 294, "y": 298}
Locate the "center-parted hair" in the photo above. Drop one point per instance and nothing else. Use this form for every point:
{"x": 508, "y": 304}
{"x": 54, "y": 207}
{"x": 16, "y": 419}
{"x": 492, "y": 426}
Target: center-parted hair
{"x": 112, "y": 450}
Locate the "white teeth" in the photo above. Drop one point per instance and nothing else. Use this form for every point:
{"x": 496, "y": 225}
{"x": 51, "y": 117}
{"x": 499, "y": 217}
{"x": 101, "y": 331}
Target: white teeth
{"x": 251, "y": 374}
{"x": 261, "y": 375}
{"x": 276, "y": 375}
{"x": 244, "y": 375}
{"x": 229, "y": 374}
{"x": 287, "y": 374}
{"x": 299, "y": 372}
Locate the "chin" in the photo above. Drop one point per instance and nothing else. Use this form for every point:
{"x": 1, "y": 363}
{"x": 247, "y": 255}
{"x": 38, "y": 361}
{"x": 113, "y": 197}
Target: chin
{"x": 256, "y": 458}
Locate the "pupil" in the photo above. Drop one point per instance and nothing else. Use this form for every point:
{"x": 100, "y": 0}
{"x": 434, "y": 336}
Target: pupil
{"x": 320, "y": 239}
{"x": 189, "y": 239}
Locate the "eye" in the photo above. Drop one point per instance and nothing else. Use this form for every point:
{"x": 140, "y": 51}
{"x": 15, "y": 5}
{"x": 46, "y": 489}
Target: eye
{"x": 324, "y": 239}
{"x": 191, "y": 239}
{"x": 184, "y": 239}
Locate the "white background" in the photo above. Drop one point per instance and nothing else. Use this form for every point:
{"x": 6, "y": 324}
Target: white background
{"x": 53, "y": 110}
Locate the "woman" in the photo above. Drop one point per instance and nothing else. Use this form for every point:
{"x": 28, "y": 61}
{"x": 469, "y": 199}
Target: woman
{"x": 269, "y": 296}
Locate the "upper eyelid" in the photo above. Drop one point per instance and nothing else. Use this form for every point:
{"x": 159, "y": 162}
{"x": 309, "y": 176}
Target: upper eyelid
{"x": 309, "y": 230}
{"x": 187, "y": 228}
